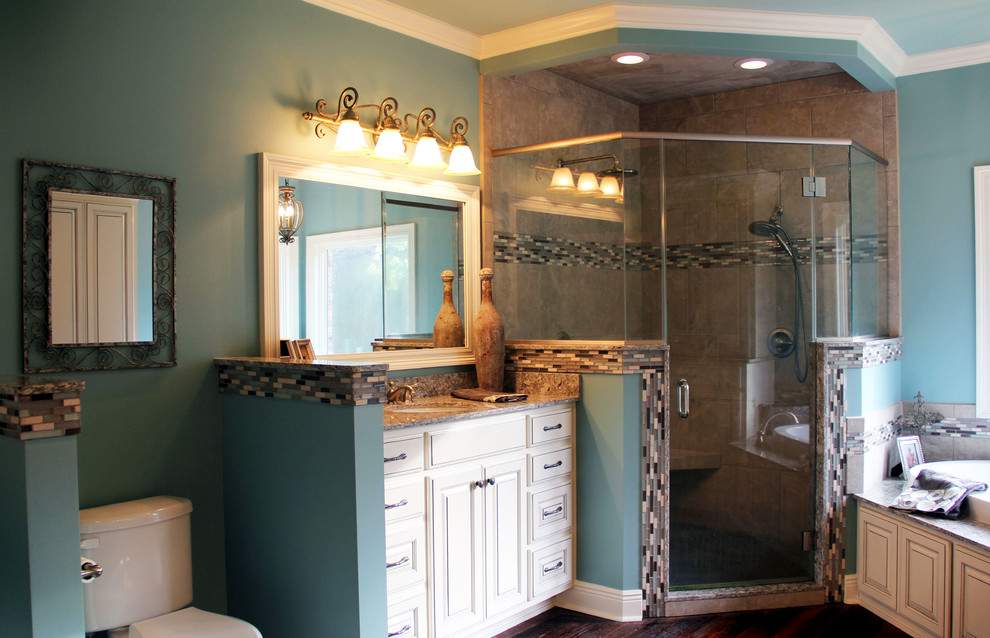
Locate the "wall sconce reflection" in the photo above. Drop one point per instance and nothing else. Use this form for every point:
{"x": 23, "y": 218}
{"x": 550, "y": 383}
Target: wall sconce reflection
{"x": 611, "y": 184}
{"x": 290, "y": 213}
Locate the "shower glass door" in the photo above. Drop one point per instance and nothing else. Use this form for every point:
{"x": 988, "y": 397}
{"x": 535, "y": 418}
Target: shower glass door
{"x": 739, "y": 238}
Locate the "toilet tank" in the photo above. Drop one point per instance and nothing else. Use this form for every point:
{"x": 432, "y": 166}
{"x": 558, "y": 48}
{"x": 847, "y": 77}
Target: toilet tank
{"x": 145, "y": 551}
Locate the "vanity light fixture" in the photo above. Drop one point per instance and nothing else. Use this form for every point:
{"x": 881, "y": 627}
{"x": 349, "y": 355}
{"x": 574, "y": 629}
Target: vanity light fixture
{"x": 393, "y": 135}
{"x": 290, "y": 213}
{"x": 610, "y": 187}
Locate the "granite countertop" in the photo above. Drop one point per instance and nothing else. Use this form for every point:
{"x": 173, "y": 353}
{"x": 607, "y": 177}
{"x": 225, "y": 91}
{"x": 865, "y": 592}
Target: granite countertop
{"x": 963, "y": 529}
{"x": 303, "y": 364}
{"x": 17, "y": 384}
{"x": 444, "y": 409}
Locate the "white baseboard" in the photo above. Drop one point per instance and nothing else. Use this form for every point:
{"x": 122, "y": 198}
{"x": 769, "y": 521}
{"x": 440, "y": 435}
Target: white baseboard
{"x": 850, "y": 590}
{"x": 604, "y": 602}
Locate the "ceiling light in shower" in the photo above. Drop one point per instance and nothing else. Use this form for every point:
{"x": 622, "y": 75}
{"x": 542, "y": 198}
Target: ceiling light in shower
{"x": 753, "y": 64}
{"x": 630, "y": 57}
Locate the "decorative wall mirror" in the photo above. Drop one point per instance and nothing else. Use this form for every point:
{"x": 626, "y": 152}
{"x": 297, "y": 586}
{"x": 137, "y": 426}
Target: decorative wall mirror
{"x": 360, "y": 277}
{"x": 98, "y": 269}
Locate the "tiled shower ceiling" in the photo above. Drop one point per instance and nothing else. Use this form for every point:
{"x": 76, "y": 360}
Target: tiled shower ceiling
{"x": 667, "y": 77}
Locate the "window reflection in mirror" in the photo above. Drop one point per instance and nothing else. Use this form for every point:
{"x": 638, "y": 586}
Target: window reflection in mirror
{"x": 363, "y": 273}
{"x": 101, "y": 268}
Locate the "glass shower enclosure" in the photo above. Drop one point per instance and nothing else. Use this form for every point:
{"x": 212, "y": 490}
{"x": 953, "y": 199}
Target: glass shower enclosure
{"x": 736, "y": 252}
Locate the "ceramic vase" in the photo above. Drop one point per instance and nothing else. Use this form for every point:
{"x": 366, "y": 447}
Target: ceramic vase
{"x": 448, "y": 329}
{"x": 489, "y": 339}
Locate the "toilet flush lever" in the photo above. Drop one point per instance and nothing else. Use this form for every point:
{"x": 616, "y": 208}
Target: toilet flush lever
{"x": 683, "y": 398}
{"x": 90, "y": 570}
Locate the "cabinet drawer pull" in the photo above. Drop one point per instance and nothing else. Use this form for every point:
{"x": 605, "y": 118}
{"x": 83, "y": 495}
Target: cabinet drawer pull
{"x": 404, "y": 630}
{"x": 559, "y": 565}
{"x": 550, "y": 467}
{"x": 547, "y": 511}
{"x": 401, "y": 503}
{"x": 401, "y": 457}
{"x": 398, "y": 563}
{"x": 548, "y": 428}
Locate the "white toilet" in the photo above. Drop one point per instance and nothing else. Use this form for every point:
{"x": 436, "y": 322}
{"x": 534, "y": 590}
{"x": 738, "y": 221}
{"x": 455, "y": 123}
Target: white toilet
{"x": 144, "y": 549}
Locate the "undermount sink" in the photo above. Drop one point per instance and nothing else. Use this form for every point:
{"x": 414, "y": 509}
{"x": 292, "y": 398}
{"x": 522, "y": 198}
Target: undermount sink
{"x": 418, "y": 409}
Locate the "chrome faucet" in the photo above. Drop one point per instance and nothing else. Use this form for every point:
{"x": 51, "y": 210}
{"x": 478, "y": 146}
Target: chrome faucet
{"x": 400, "y": 393}
{"x": 764, "y": 427}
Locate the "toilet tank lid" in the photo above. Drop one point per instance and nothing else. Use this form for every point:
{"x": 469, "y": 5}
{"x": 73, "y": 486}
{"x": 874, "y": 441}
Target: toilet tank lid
{"x": 143, "y": 511}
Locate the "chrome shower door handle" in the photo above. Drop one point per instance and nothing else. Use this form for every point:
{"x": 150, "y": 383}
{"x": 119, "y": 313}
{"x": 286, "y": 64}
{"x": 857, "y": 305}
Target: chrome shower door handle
{"x": 683, "y": 398}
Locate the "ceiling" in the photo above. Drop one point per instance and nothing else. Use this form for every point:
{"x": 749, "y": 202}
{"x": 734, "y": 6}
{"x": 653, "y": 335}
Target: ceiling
{"x": 888, "y": 38}
{"x": 918, "y": 26}
{"x": 669, "y": 77}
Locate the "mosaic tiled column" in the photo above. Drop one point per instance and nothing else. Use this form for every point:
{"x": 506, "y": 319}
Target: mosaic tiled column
{"x": 831, "y": 360}
{"x": 650, "y": 361}
{"x": 319, "y": 381}
{"x": 39, "y": 408}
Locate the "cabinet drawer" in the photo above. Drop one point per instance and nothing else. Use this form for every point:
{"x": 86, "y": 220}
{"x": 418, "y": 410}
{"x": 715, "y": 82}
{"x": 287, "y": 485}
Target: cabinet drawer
{"x": 551, "y": 569}
{"x": 550, "y": 512}
{"x": 404, "y": 455}
{"x": 405, "y": 554}
{"x": 407, "y": 618}
{"x": 472, "y": 441}
{"x": 550, "y": 465}
{"x": 550, "y": 427}
{"x": 404, "y": 500}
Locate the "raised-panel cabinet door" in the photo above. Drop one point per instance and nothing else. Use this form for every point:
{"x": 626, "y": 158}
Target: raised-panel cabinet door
{"x": 457, "y": 501}
{"x": 922, "y": 581}
{"x": 971, "y": 595}
{"x": 504, "y": 541}
{"x": 877, "y": 558}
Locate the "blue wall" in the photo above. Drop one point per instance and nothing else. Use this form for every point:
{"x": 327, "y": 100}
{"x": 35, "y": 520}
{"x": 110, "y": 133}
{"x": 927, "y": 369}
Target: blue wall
{"x": 869, "y": 389}
{"x": 191, "y": 90}
{"x": 943, "y": 135}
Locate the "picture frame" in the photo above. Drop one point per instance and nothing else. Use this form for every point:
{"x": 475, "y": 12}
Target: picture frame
{"x": 293, "y": 349}
{"x": 304, "y": 348}
{"x": 911, "y": 453}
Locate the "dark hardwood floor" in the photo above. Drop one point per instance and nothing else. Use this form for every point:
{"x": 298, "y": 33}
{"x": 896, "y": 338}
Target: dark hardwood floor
{"x": 825, "y": 621}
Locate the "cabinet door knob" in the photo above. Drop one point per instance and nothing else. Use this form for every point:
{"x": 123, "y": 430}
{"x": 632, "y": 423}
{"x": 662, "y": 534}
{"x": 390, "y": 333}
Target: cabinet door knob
{"x": 491, "y": 481}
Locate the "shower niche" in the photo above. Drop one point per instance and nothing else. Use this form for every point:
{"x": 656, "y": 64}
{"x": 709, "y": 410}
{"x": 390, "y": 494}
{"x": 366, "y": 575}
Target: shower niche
{"x": 712, "y": 246}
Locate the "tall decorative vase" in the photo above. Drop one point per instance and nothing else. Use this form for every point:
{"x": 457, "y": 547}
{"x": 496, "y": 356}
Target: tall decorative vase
{"x": 448, "y": 329}
{"x": 489, "y": 339}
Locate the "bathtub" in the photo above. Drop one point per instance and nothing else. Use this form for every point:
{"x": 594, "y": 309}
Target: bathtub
{"x": 979, "y": 502}
{"x": 800, "y": 432}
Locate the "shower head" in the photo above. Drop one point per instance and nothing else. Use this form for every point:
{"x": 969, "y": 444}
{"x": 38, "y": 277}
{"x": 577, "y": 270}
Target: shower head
{"x": 764, "y": 229}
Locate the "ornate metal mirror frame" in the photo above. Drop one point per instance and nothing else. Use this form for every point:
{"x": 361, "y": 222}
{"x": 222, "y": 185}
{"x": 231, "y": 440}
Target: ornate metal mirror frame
{"x": 40, "y": 354}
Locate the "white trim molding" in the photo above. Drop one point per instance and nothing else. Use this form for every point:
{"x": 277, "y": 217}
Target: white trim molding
{"x": 604, "y": 602}
{"x": 850, "y": 591}
{"x": 981, "y": 178}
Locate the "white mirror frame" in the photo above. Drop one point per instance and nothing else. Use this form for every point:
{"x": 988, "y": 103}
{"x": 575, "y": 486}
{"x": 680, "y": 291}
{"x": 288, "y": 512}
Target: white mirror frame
{"x": 273, "y": 167}
{"x": 981, "y": 175}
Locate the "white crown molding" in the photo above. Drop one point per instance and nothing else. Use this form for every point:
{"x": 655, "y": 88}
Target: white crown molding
{"x": 408, "y": 22}
{"x": 863, "y": 30}
{"x": 947, "y": 59}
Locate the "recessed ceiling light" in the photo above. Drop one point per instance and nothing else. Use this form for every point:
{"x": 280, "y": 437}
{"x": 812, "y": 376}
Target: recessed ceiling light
{"x": 630, "y": 57}
{"x": 753, "y": 64}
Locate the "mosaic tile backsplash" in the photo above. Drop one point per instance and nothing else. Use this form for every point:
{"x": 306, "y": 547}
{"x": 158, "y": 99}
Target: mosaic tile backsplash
{"x": 336, "y": 384}
{"x": 34, "y": 408}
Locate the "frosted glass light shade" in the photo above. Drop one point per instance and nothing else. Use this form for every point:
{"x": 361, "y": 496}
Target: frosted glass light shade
{"x": 587, "y": 185}
{"x": 390, "y": 147}
{"x": 350, "y": 139}
{"x": 427, "y": 155}
{"x": 462, "y": 162}
{"x": 562, "y": 181}
{"x": 610, "y": 188}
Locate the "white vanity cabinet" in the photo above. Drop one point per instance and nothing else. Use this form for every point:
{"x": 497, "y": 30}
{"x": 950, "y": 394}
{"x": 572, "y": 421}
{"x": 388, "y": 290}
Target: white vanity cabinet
{"x": 920, "y": 580}
{"x": 490, "y": 501}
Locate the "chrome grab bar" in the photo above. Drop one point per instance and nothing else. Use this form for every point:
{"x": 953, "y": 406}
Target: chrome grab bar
{"x": 683, "y": 399}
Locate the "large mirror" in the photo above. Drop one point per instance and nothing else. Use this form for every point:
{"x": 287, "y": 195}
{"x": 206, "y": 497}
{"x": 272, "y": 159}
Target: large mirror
{"x": 361, "y": 276}
{"x": 98, "y": 268}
